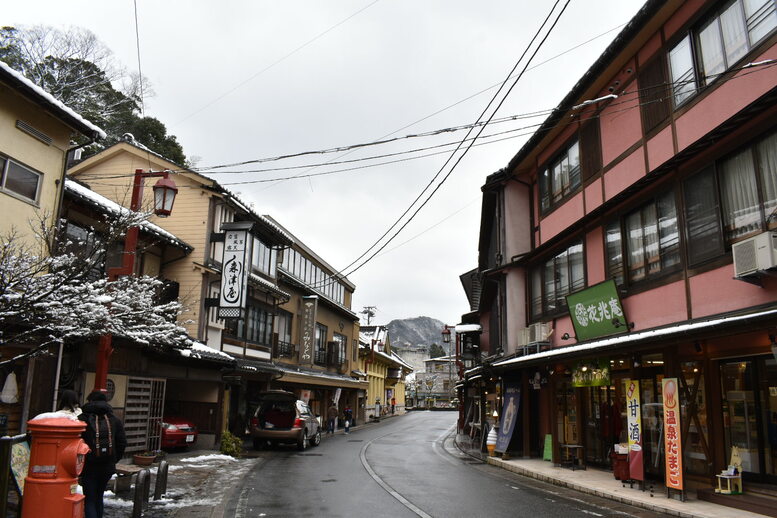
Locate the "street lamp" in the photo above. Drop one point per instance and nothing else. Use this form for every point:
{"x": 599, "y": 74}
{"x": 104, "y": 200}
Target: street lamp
{"x": 164, "y": 197}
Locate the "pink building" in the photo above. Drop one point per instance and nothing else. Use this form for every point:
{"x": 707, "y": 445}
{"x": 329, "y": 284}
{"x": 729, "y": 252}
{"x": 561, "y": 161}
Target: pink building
{"x": 634, "y": 237}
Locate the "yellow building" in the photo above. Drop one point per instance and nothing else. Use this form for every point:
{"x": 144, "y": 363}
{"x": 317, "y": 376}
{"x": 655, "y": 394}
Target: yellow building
{"x": 35, "y": 138}
{"x": 384, "y": 370}
{"x": 201, "y": 207}
{"x": 328, "y": 372}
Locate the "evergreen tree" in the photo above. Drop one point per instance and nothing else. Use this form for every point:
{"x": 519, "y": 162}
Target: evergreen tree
{"x": 436, "y": 350}
{"x": 77, "y": 69}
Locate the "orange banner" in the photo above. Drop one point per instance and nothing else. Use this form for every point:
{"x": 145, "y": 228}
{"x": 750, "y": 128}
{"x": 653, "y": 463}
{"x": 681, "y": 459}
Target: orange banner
{"x": 672, "y": 440}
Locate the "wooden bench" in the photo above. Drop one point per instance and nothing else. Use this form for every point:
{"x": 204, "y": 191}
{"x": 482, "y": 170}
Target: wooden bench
{"x": 124, "y": 474}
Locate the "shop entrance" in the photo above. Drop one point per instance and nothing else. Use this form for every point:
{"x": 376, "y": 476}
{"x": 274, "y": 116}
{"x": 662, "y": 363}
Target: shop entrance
{"x": 750, "y": 415}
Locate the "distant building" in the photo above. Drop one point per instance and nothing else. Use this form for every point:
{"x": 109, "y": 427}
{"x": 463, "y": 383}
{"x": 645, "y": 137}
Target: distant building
{"x": 384, "y": 370}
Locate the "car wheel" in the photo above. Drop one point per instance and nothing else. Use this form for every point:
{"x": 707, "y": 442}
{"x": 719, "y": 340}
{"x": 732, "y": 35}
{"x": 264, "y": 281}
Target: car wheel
{"x": 302, "y": 443}
{"x": 316, "y": 439}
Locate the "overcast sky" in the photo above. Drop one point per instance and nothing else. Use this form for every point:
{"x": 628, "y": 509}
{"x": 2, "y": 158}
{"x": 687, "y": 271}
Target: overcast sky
{"x": 244, "y": 80}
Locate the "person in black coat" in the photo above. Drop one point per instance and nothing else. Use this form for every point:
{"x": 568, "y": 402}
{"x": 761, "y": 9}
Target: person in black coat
{"x": 100, "y": 462}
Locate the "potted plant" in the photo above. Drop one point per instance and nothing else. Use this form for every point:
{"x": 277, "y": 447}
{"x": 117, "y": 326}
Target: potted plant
{"x": 144, "y": 459}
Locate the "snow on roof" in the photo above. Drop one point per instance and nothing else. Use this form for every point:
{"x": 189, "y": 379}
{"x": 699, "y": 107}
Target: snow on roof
{"x": 47, "y": 97}
{"x": 293, "y": 369}
{"x": 468, "y": 328}
{"x": 399, "y": 359}
{"x": 199, "y": 350}
{"x": 633, "y": 337}
{"x": 441, "y": 359}
{"x": 267, "y": 284}
{"x": 114, "y": 208}
{"x": 369, "y": 333}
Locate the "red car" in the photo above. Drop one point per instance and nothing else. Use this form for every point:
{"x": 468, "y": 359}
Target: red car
{"x": 178, "y": 432}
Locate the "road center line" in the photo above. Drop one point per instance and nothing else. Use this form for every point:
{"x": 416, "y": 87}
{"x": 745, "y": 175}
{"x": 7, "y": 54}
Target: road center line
{"x": 401, "y": 499}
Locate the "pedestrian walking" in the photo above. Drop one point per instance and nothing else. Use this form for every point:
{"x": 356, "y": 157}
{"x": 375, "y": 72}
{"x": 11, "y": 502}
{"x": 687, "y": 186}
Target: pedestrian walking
{"x": 68, "y": 403}
{"x": 348, "y": 417}
{"x": 393, "y": 405}
{"x": 105, "y": 437}
{"x": 331, "y": 418}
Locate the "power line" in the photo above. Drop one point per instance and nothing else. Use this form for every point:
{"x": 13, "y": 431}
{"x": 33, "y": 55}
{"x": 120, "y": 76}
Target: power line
{"x": 274, "y": 63}
{"x": 140, "y": 71}
{"x": 460, "y": 158}
{"x": 623, "y": 95}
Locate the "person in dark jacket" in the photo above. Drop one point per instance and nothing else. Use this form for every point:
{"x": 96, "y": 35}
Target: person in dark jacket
{"x": 100, "y": 462}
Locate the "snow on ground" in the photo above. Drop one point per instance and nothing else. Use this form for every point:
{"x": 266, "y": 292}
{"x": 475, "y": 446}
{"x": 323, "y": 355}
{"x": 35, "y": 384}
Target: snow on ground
{"x": 189, "y": 479}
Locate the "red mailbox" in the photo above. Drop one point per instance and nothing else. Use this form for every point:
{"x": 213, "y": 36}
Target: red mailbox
{"x": 56, "y": 459}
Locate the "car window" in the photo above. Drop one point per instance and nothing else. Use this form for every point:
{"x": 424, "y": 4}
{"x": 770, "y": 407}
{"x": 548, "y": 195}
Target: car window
{"x": 303, "y": 408}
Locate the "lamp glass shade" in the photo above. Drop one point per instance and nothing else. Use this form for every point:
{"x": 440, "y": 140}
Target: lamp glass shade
{"x": 446, "y": 335}
{"x": 164, "y": 197}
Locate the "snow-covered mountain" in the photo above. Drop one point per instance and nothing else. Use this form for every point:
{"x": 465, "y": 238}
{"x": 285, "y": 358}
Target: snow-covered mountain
{"x": 415, "y": 333}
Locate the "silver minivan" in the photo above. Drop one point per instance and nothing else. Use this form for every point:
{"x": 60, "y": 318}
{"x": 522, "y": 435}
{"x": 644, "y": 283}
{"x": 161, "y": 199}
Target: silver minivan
{"x": 282, "y": 418}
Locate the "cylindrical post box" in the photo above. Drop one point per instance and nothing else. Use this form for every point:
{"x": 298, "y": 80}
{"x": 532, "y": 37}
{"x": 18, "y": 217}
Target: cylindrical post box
{"x": 56, "y": 459}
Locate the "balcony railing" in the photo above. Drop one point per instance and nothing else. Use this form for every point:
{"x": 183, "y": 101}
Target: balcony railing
{"x": 284, "y": 350}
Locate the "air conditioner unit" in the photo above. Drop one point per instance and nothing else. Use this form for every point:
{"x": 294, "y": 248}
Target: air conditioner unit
{"x": 539, "y": 332}
{"x": 755, "y": 254}
{"x": 523, "y": 337}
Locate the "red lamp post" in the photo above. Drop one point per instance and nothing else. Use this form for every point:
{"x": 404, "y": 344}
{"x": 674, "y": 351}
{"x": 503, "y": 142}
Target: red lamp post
{"x": 164, "y": 197}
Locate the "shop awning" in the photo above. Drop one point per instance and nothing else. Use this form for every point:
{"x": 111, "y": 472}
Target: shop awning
{"x": 662, "y": 333}
{"x": 292, "y": 374}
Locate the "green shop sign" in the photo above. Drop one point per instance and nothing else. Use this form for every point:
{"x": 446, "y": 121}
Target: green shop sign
{"x": 597, "y": 311}
{"x": 591, "y": 374}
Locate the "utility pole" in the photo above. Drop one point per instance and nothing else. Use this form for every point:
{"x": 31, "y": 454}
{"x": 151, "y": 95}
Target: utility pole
{"x": 369, "y": 311}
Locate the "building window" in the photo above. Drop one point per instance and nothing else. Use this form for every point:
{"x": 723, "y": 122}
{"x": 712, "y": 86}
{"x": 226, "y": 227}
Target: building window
{"x": 651, "y": 240}
{"x": 555, "y": 279}
{"x": 342, "y": 343}
{"x": 264, "y": 258}
{"x": 702, "y": 217}
{"x": 718, "y": 43}
{"x": 560, "y": 178}
{"x": 735, "y": 200}
{"x": 255, "y": 328}
{"x": 19, "y": 180}
{"x": 283, "y": 329}
{"x": 320, "y": 354}
{"x": 614, "y": 248}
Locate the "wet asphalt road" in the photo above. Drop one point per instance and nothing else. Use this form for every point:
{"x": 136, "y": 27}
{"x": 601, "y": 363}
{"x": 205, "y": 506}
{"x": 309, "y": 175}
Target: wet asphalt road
{"x": 402, "y": 467}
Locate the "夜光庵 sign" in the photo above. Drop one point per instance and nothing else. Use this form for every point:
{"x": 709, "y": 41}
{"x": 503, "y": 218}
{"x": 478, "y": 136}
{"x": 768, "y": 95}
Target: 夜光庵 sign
{"x": 597, "y": 311}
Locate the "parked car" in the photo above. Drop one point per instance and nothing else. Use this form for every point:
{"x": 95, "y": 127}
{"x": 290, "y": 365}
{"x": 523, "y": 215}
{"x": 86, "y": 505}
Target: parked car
{"x": 282, "y": 418}
{"x": 178, "y": 432}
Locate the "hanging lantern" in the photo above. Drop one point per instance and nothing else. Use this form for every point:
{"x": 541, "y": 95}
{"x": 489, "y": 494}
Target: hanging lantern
{"x": 165, "y": 191}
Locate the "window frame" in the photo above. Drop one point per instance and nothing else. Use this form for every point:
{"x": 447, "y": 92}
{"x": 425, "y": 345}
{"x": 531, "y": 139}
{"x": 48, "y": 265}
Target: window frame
{"x": 319, "y": 354}
{"x": 5, "y": 164}
{"x": 695, "y": 50}
{"x": 758, "y": 171}
{"x": 540, "y": 307}
{"x": 547, "y": 188}
{"x": 624, "y": 265}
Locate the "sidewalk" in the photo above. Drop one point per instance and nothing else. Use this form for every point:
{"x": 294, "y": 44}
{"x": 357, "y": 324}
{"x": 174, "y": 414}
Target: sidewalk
{"x": 601, "y": 483}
